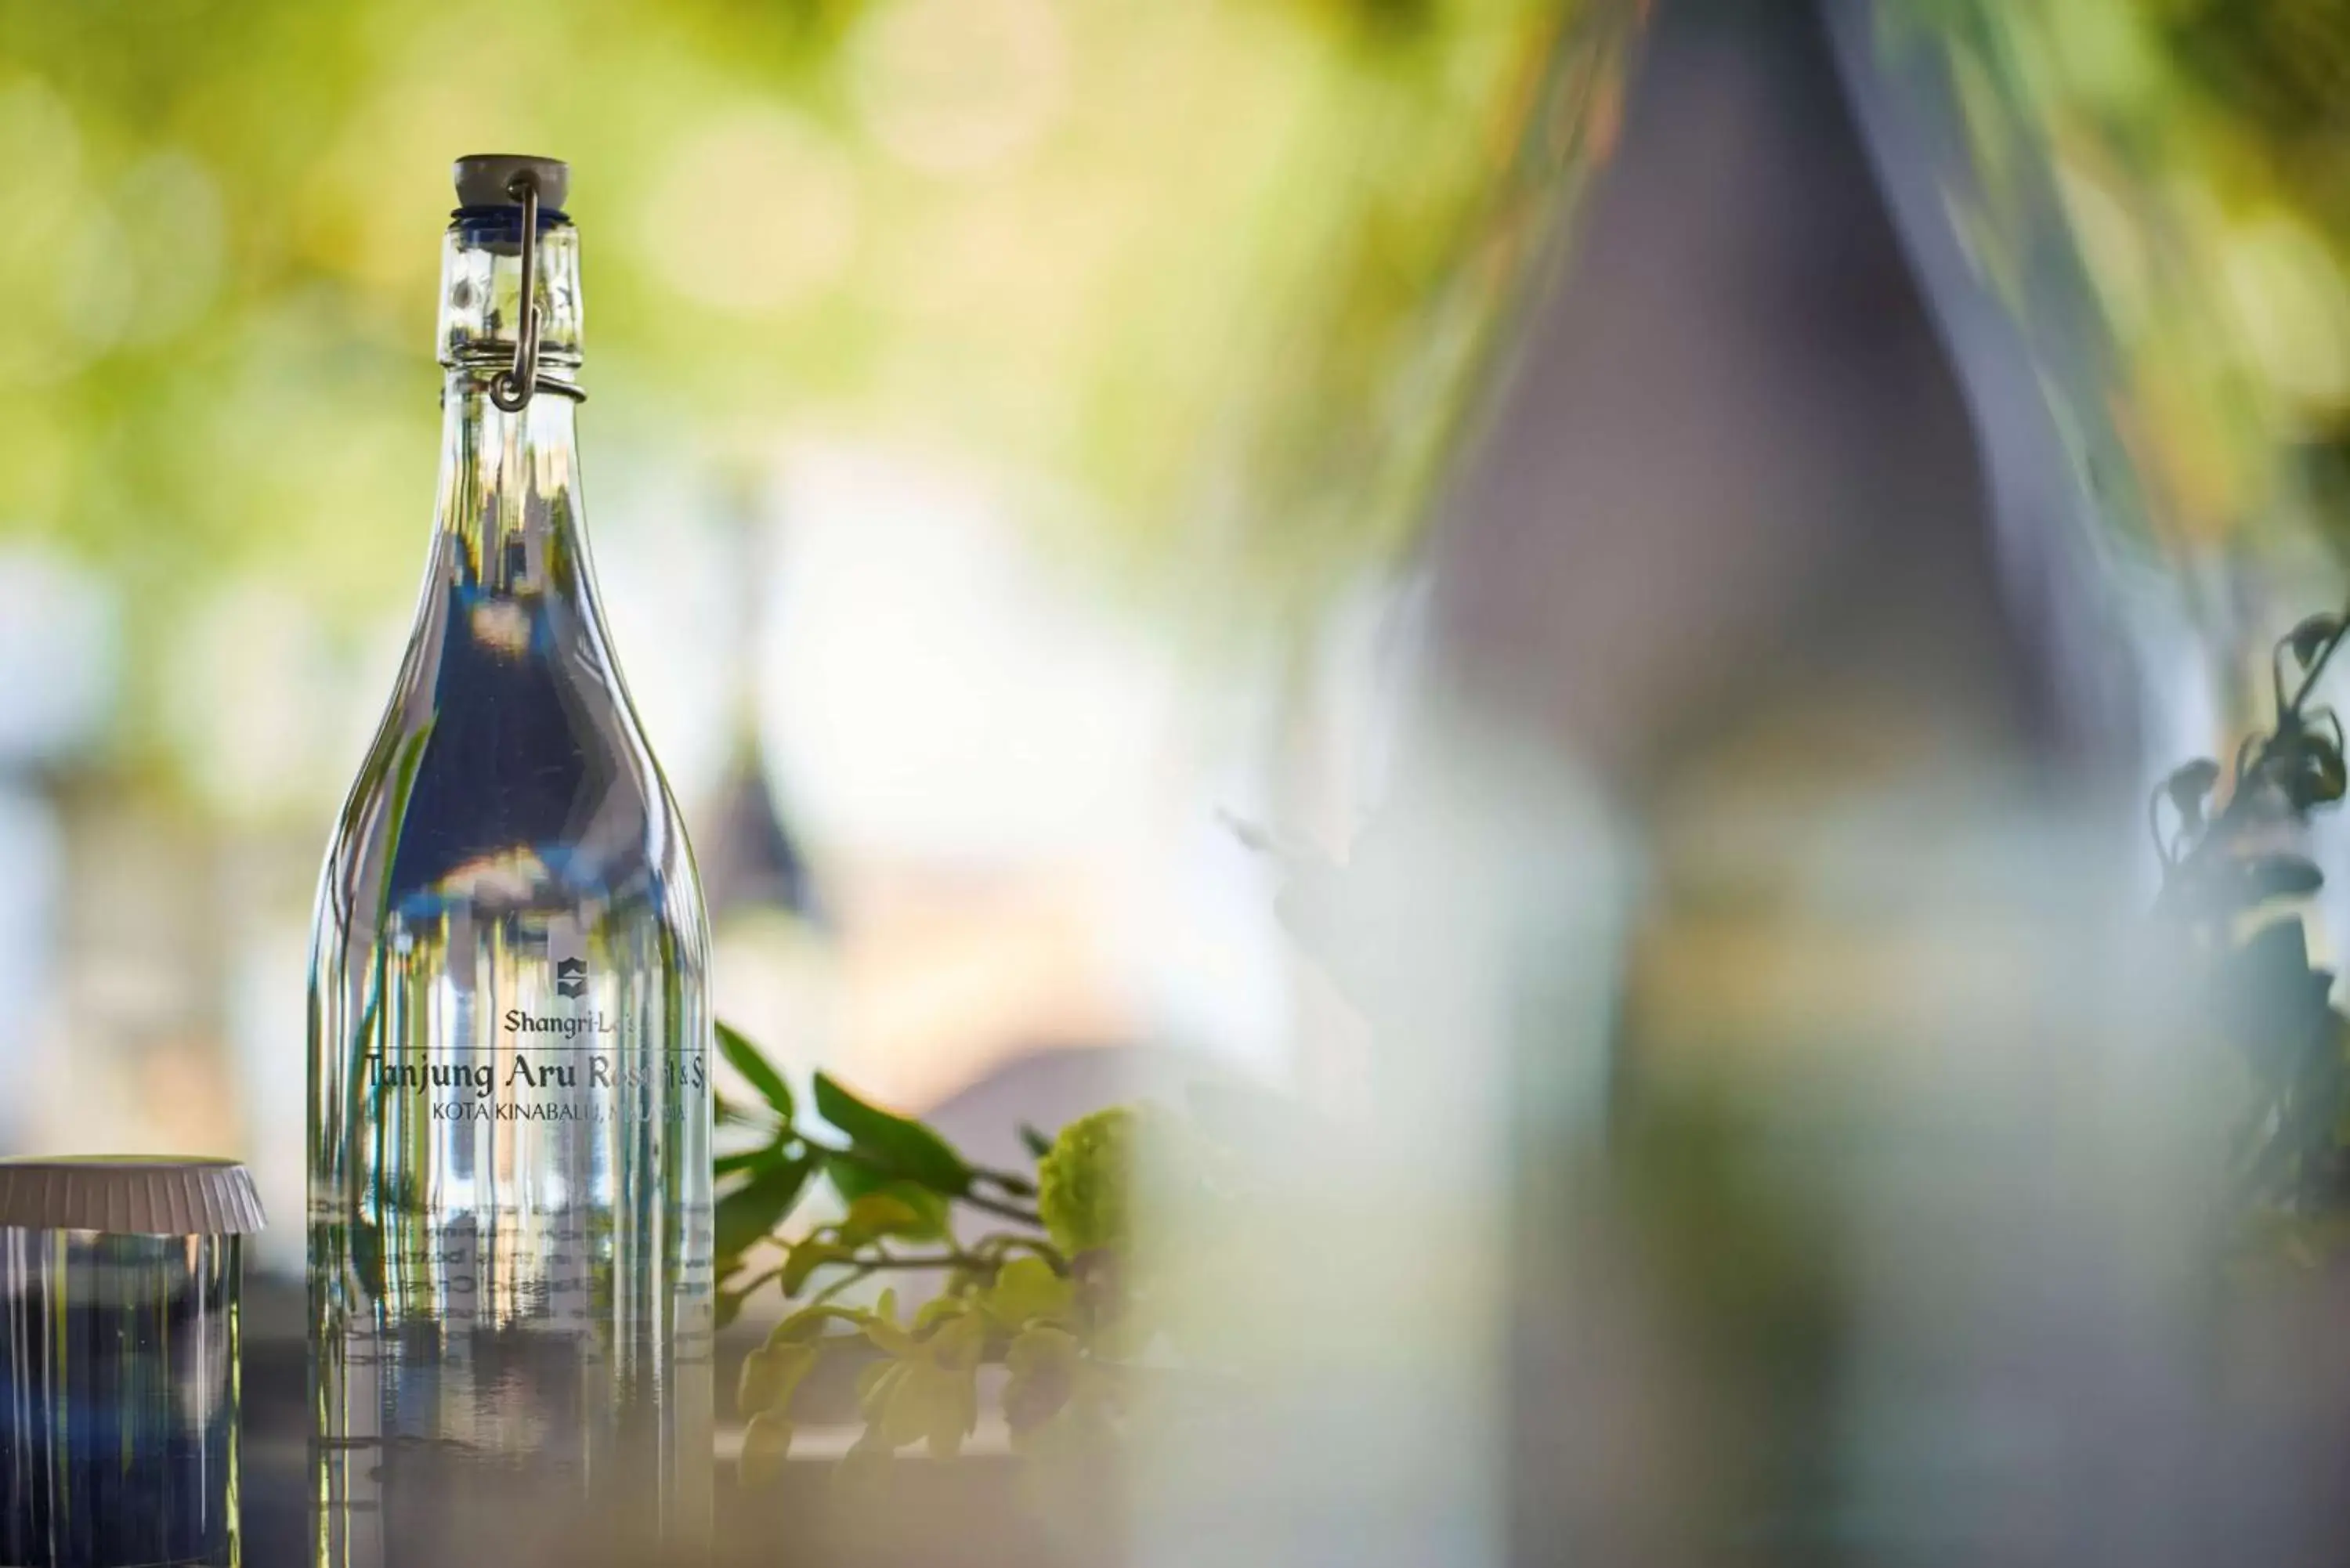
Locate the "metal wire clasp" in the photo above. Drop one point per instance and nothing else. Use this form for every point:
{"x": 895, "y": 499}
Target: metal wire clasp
{"x": 511, "y": 389}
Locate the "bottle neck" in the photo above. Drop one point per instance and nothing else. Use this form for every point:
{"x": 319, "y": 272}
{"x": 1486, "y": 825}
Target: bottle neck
{"x": 509, "y": 503}
{"x": 481, "y": 309}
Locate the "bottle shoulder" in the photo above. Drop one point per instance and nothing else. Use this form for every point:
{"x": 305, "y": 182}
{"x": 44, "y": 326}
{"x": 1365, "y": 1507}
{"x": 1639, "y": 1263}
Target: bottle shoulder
{"x": 510, "y": 770}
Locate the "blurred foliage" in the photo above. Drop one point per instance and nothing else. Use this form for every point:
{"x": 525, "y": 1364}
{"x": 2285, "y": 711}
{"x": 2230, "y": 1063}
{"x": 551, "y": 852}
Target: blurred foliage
{"x": 1053, "y": 1297}
{"x": 1218, "y": 279}
{"x": 2232, "y": 890}
{"x": 2159, "y": 190}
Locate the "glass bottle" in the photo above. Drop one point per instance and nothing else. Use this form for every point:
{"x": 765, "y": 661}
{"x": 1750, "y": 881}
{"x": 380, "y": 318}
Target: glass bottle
{"x": 510, "y": 1112}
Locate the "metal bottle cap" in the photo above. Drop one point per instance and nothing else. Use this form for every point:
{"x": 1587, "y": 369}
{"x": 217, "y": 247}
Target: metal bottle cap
{"x": 483, "y": 179}
{"x": 130, "y": 1195}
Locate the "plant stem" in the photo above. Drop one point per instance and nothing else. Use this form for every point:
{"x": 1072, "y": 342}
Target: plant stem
{"x": 940, "y": 1261}
{"x": 2317, "y": 666}
{"x": 1007, "y": 1210}
{"x": 776, "y": 1272}
{"x": 1032, "y": 1245}
{"x": 1014, "y": 1186}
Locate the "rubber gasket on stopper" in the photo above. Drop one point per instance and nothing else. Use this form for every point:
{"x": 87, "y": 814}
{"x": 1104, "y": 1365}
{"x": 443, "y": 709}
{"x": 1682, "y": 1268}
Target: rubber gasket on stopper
{"x": 130, "y": 1196}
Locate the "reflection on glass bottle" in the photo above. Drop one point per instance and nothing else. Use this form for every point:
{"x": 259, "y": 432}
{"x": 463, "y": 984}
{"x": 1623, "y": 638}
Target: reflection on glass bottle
{"x": 509, "y": 1223}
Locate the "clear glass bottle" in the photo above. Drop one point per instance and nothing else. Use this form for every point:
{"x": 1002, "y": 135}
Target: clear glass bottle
{"x": 510, "y": 1112}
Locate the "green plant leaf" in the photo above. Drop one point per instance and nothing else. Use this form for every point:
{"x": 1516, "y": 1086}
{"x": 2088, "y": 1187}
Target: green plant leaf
{"x": 1038, "y": 1144}
{"x": 952, "y": 1396}
{"x": 889, "y": 1339}
{"x": 805, "y": 1325}
{"x": 2280, "y": 877}
{"x": 881, "y": 1328}
{"x": 2311, "y": 636}
{"x": 1042, "y": 1362}
{"x": 923, "y": 1403}
{"x": 771, "y": 1374}
{"x": 727, "y": 1164}
{"x": 928, "y": 1208}
{"x": 729, "y": 1306}
{"x": 2330, "y": 777}
{"x": 2273, "y": 1000}
{"x": 886, "y": 1212}
{"x": 752, "y": 1211}
{"x": 2308, "y": 768}
{"x": 958, "y": 1341}
{"x": 937, "y": 1310}
{"x": 881, "y": 1213}
{"x": 861, "y": 1483}
{"x": 745, "y": 1059}
{"x": 876, "y": 1384}
{"x": 907, "y": 1147}
{"x": 766, "y": 1444}
{"x": 852, "y": 1178}
{"x": 1027, "y": 1289}
{"x": 870, "y": 1379}
{"x": 2188, "y": 788}
{"x": 806, "y": 1257}
{"x": 855, "y": 1181}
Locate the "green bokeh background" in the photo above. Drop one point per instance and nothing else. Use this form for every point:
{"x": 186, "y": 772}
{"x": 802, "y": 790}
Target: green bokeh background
{"x": 1223, "y": 276}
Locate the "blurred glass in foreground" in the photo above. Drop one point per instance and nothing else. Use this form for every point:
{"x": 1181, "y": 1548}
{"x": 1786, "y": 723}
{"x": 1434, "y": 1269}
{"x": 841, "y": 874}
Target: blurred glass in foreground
{"x": 1811, "y": 1144}
{"x": 1894, "y": 1226}
{"x": 2154, "y": 197}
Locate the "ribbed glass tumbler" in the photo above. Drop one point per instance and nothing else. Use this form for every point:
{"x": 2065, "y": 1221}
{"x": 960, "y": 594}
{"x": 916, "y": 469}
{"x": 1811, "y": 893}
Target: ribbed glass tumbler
{"x": 119, "y": 1361}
